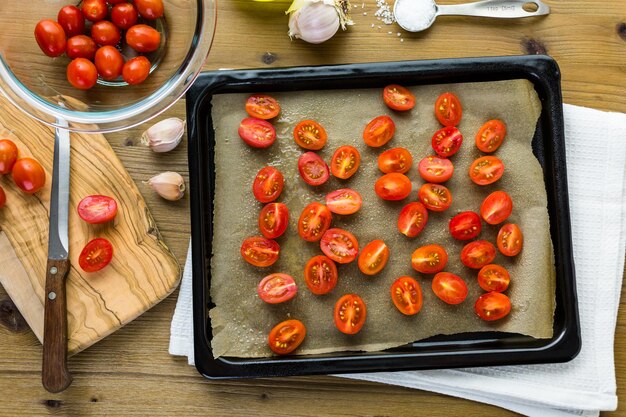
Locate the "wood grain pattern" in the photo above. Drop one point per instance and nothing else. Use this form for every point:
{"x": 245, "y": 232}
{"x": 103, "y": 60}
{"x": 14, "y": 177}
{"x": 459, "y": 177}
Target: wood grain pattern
{"x": 131, "y": 373}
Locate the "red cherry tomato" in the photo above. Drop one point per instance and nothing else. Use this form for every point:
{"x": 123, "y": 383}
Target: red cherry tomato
{"x": 71, "y": 20}
{"x": 496, "y": 207}
{"x": 277, "y": 288}
{"x": 50, "y": 37}
{"x": 150, "y": 9}
{"x": 395, "y": 160}
{"x": 81, "y": 46}
{"x": 492, "y": 306}
{"x": 448, "y": 109}
{"x": 310, "y": 135}
{"x": 268, "y": 184}
{"x": 447, "y": 141}
{"x": 124, "y": 15}
{"x": 493, "y": 277}
{"x": 143, "y": 38}
{"x": 97, "y": 209}
{"x": 109, "y": 62}
{"x": 412, "y": 220}
{"x": 510, "y": 239}
{"x": 320, "y": 274}
{"x": 379, "y": 131}
{"x": 465, "y": 225}
{"x": 435, "y": 197}
{"x": 478, "y": 254}
{"x": 350, "y": 314}
{"x": 262, "y": 106}
{"x": 373, "y": 257}
{"x": 345, "y": 162}
{"x": 399, "y": 98}
{"x": 96, "y": 255}
{"x": 449, "y": 288}
{"x": 28, "y": 175}
{"x": 105, "y": 33}
{"x": 436, "y": 170}
{"x": 136, "y": 70}
{"x": 3, "y": 198}
{"x": 257, "y": 133}
{"x": 429, "y": 259}
{"x": 8, "y": 156}
{"x": 313, "y": 169}
{"x": 260, "y": 251}
{"x": 344, "y": 201}
{"x": 82, "y": 73}
{"x": 286, "y": 336}
{"x": 490, "y": 136}
{"x": 406, "y": 295}
{"x": 393, "y": 187}
{"x": 314, "y": 221}
{"x": 94, "y": 10}
{"x": 486, "y": 170}
{"x": 339, "y": 245}
{"x": 273, "y": 220}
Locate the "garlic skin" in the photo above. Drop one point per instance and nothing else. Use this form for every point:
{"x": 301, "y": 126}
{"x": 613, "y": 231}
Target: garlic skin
{"x": 316, "y": 21}
{"x": 169, "y": 185}
{"x": 164, "y": 135}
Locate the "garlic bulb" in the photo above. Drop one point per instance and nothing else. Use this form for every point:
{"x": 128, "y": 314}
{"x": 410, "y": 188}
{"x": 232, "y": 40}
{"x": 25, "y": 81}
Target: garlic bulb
{"x": 316, "y": 21}
{"x": 164, "y": 135}
{"x": 169, "y": 185}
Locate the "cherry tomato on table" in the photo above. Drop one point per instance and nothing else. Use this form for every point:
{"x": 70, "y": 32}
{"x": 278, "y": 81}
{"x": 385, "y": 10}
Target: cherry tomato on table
{"x": 510, "y": 239}
{"x": 82, "y": 73}
{"x": 124, "y": 15}
{"x": 94, "y": 10}
{"x": 344, "y": 201}
{"x": 105, "y": 33}
{"x": 393, "y": 187}
{"x": 136, "y": 70}
{"x": 493, "y": 277}
{"x": 262, "y": 106}
{"x": 268, "y": 184}
{"x": 8, "y": 155}
{"x": 465, "y": 225}
{"x": 3, "y": 197}
{"x": 286, "y": 336}
{"x": 492, "y": 306}
{"x": 373, "y": 257}
{"x": 345, "y": 162}
{"x": 339, "y": 245}
{"x": 97, "y": 209}
{"x": 96, "y": 255}
{"x": 379, "y": 131}
{"x": 429, "y": 259}
{"x": 256, "y": 132}
{"x": 449, "y": 288}
{"x": 310, "y": 135}
{"x": 81, "y": 46}
{"x": 28, "y": 175}
{"x": 496, "y": 207}
{"x": 314, "y": 221}
{"x": 486, "y": 170}
{"x": 109, "y": 62}
{"x": 490, "y": 136}
{"x": 313, "y": 169}
{"x": 395, "y": 160}
{"x": 398, "y": 98}
{"x": 478, "y": 254}
{"x": 71, "y": 20}
{"x": 435, "y": 197}
{"x": 143, "y": 38}
{"x": 412, "y": 219}
{"x": 273, "y": 220}
{"x": 277, "y": 288}
{"x": 435, "y": 169}
{"x": 150, "y": 9}
{"x": 447, "y": 141}
{"x": 320, "y": 274}
{"x": 260, "y": 251}
{"x": 350, "y": 314}
{"x": 406, "y": 295}
{"x": 448, "y": 109}
{"x": 50, "y": 37}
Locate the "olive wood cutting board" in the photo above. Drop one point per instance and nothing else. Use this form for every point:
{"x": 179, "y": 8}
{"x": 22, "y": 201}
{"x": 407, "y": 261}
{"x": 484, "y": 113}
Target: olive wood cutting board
{"x": 143, "y": 270}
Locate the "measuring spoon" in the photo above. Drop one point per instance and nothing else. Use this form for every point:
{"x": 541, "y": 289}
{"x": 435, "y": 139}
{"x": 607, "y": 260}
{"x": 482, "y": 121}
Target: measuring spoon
{"x": 418, "y": 15}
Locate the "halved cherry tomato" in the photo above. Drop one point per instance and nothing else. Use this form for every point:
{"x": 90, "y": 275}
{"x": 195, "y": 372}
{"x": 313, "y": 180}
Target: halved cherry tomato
{"x": 490, "y": 135}
{"x": 124, "y": 15}
{"x": 143, "y": 38}
{"x": 150, "y": 9}
{"x": 350, "y": 314}
{"x": 136, "y": 70}
{"x": 82, "y": 73}
{"x": 345, "y": 162}
{"x": 94, "y": 10}
{"x": 492, "y": 306}
{"x": 399, "y": 98}
{"x": 486, "y": 170}
{"x": 105, "y": 33}
{"x": 268, "y": 184}
{"x": 286, "y": 336}
{"x": 496, "y": 207}
{"x": 262, "y": 106}
{"x": 320, "y": 274}
{"x": 109, "y": 62}
{"x": 510, "y": 239}
{"x": 393, "y": 187}
{"x": 260, "y": 251}
{"x": 81, "y": 46}
{"x": 379, "y": 131}
{"x": 448, "y": 109}
{"x": 435, "y": 197}
{"x": 71, "y": 20}
{"x": 373, "y": 257}
{"x": 313, "y": 169}
{"x": 344, "y": 201}
{"x": 435, "y": 169}
{"x": 429, "y": 259}
{"x": 277, "y": 288}
{"x": 257, "y": 133}
{"x": 395, "y": 160}
{"x": 50, "y": 37}
{"x": 493, "y": 277}
{"x": 3, "y": 198}
{"x": 273, "y": 220}
{"x": 406, "y": 295}
{"x": 314, "y": 221}
{"x": 465, "y": 225}
{"x": 478, "y": 254}
{"x": 449, "y": 288}
{"x": 412, "y": 219}
{"x": 8, "y": 155}
{"x": 447, "y": 141}
{"x": 28, "y": 175}
{"x": 96, "y": 255}
{"x": 97, "y": 209}
{"x": 339, "y": 245}
{"x": 310, "y": 135}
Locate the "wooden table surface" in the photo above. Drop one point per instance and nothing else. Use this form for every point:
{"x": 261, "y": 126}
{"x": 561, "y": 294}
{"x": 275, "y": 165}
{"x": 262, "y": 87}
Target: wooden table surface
{"x": 131, "y": 372}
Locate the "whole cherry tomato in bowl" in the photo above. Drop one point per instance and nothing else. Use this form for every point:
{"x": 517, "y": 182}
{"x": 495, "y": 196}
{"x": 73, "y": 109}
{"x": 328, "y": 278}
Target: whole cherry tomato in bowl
{"x": 71, "y": 20}
{"x": 50, "y": 37}
{"x": 81, "y": 46}
{"x": 82, "y": 73}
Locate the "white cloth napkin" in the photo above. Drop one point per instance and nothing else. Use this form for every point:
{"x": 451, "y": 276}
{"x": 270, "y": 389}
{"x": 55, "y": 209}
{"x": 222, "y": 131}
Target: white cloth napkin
{"x": 596, "y": 165}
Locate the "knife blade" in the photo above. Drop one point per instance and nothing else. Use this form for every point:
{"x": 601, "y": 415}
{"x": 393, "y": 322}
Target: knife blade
{"x": 55, "y": 375}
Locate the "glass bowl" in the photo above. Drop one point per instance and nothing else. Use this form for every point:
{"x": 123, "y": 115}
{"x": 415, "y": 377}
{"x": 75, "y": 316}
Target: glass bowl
{"x": 37, "y": 84}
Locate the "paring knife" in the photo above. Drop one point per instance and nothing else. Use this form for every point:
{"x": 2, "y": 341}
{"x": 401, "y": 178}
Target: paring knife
{"x": 55, "y": 375}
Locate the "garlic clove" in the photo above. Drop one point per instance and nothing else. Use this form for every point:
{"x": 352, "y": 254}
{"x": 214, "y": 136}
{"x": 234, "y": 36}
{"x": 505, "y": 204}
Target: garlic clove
{"x": 316, "y": 21}
{"x": 169, "y": 185}
{"x": 164, "y": 135}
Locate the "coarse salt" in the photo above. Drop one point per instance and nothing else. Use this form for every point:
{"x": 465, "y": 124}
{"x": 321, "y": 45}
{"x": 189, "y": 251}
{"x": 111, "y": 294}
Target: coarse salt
{"x": 384, "y": 12}
{"x": 415, "y": 15}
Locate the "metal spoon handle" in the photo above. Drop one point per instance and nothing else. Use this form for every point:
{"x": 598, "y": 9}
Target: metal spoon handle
{"x": 504, "y": 9}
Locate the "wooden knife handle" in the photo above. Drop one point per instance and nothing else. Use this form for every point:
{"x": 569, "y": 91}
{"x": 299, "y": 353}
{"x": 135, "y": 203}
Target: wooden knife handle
{"x": 55, "y": 376}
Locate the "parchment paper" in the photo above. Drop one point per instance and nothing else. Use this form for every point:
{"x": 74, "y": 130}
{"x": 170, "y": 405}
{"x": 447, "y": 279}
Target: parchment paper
{"x": 241, "y": 320}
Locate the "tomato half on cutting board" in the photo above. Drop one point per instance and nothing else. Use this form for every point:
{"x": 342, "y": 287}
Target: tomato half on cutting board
{"x": 96, "y": 255}
{"x": 96, "y": 209}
